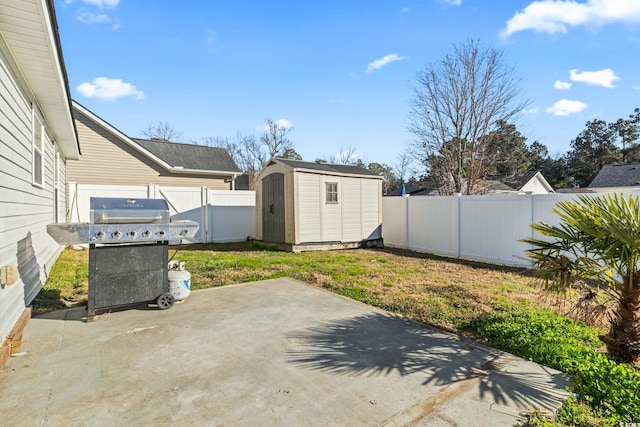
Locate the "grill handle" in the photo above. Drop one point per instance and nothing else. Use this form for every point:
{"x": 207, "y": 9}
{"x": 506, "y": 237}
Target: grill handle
{"x": 128, "y": 220}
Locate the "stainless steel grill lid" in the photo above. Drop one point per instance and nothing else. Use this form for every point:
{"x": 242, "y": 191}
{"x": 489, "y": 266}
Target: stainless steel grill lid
{"x": 109, "y": 210}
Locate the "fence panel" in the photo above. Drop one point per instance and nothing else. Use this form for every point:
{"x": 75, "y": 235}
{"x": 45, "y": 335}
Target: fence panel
{"x": 231, "y": 215}
{"x": 394, "y": 227}
{"x": 490, "y": 227}
{"x": 80, "y": 194}
{"x": 433, "y": 225}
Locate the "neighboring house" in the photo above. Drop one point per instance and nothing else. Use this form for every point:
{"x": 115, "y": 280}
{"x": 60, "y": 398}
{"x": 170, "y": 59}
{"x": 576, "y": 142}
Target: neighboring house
{"x": 532, "y": 182}
{"x": 308, "y": 206}
{"x": 528, "y": 182}
{"x": 109, "y": 157}
{"x": 624, "y": 177}
{"x": 37, "y": 138}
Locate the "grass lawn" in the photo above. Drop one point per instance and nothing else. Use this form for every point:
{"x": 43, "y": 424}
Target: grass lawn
{"x": 499, "y": 305}
{"x": 439, "y": 291}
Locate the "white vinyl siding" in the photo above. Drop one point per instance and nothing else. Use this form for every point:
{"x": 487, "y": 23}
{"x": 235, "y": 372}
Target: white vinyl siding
{"x": 25, "y": 208}
{"x": 331, "y": 220}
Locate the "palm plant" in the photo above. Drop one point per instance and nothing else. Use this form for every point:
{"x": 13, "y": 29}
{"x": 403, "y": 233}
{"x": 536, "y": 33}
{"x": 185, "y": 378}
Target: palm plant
{"x": 596, "y": 250}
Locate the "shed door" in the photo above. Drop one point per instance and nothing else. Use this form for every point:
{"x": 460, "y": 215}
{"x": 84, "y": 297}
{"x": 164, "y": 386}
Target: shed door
{"x": 273, "y": 208}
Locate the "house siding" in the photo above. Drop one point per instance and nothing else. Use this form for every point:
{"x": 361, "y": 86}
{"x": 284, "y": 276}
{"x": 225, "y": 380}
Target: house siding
{"x": 106, "y": 159}
{"x": 25, "y": 209}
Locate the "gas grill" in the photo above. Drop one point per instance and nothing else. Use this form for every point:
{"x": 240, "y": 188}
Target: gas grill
{"x": 128, "y": 250}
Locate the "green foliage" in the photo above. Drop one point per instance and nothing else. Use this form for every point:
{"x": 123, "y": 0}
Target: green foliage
{"x": 611, "y": 389}
{"x": 596, "y": 249}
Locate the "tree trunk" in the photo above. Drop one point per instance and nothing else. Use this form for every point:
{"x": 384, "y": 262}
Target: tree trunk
{"x": 623, "y": 339}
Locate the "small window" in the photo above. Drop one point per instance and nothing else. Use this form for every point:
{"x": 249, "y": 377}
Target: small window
{"x": 38, "y": 150}
{"x": 332, "y": 192}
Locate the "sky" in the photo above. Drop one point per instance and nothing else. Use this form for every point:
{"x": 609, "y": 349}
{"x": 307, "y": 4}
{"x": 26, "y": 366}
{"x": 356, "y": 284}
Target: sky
{"x": 341, "y": 72}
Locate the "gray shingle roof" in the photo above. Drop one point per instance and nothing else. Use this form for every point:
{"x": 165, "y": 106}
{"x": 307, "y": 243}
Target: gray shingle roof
{"x": 190, "y": 156}
{"x": 328, "y": 167}
{"x": 627, "y": 175}
{"x": 513, "y": 182}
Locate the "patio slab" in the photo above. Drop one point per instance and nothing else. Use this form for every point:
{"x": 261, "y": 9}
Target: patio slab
{"x": 277, "y": 352}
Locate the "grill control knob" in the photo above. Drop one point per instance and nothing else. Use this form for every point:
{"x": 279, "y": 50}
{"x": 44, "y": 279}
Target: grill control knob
{"x": 184, "y": 232}
{"x": 146, "y": 234}
{"x": 161, "y": 233}
{"x": 133, "y": 234}
{"x": 116, "y": 235}
{"x": 100, "y": 235}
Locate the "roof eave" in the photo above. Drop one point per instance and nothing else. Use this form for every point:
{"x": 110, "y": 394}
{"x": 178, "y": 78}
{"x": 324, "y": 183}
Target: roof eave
{"x": 177, "y": 169}
{"x": 46, "y": 77}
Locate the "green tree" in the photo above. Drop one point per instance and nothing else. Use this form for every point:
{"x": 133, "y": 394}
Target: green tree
{"x": 593, "y": 148}
{"x": 390, "y": 180}
{"x": 506, "y": 150}
{"x": 596, "y": 250}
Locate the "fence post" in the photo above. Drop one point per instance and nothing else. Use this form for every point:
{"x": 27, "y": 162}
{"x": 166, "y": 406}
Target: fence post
{"x": 406, "y": 222}
{"x": 459, "y": 224}
{"x": 204, "y": 209}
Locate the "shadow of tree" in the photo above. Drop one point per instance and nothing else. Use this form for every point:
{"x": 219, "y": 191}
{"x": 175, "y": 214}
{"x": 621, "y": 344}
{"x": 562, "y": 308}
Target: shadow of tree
{"x": 379, "y": 344}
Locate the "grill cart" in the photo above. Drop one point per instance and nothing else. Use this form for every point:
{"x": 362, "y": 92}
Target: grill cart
{"x": 128, "y": 250}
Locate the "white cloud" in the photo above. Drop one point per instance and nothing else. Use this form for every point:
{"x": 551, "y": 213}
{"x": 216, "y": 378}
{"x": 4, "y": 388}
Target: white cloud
{"x": 284, "y": 123}
{"x": 604, "y": 78}
{"x": 101, "y": 4}
{"x": 562, "y": 85}
{"x": 450, "y": 2}
{"x": 92, "y": 18}
{"x": 405, "y": 9}
{"x": 106, "y": 89}
{"x": 531, "y": 111}
{"x": 381, "y": 62}
{"x": 636, "y": 87}
{"x": 564, "y": 107}
{"x": 553, "y": 16}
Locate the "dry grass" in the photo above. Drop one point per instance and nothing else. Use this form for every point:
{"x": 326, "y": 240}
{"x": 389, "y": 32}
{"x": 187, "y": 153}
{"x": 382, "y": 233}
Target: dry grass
{"x": 440, "y": 291}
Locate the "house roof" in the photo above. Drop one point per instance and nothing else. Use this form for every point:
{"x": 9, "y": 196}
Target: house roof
{"x": 30, "y": 31}
{"x": 329, "y": 168}
{"x": 513, "y": 182}
{"x": 178, "y": 160}
{"x": 626, "y": 175}
{"x": 190, "y": 156}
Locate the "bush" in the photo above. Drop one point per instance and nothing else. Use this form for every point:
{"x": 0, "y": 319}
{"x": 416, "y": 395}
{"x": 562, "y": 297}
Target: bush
{"x": 610, "y": 388}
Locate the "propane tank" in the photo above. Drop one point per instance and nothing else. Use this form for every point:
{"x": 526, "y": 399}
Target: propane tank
{"x": 179, "y": 280}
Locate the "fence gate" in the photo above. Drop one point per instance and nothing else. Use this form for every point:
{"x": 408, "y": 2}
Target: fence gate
{"x": 273, "y": 208}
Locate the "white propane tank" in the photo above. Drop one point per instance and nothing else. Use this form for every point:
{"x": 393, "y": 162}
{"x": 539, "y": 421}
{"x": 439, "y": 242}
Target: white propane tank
{"x": 179, "y": 280}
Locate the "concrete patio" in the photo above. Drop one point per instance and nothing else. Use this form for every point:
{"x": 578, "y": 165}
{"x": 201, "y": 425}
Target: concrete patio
{"x": 276, "y": 352}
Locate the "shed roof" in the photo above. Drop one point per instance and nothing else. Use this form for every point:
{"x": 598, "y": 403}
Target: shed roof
{"x": 190, "y": 156}
{"x": 333, "y": 169}
{"x": 626, "y": 175}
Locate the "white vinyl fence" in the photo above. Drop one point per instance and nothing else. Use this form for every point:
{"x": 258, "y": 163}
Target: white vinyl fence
{"x": 223, "y": 215}
{"x": 481, "y": 228}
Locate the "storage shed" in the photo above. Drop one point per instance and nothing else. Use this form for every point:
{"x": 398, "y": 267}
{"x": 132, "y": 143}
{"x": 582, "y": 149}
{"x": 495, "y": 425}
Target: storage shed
{"x": 313, "y": 206}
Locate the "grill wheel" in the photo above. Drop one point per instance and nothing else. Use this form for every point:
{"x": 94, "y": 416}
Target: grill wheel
{"x": 165, "y": 301}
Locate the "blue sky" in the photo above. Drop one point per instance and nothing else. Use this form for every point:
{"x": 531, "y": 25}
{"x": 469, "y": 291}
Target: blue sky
{"x": 340, "y": 72}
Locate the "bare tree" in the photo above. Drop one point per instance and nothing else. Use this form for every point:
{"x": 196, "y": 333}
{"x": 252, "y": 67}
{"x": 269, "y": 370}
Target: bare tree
{"x": 275, "y": 137}
{"x": 456, "y": 103}
{"x": 162, "y": 131}
{"x": 346, "y": 156}
{"x": 403, "y": 167}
